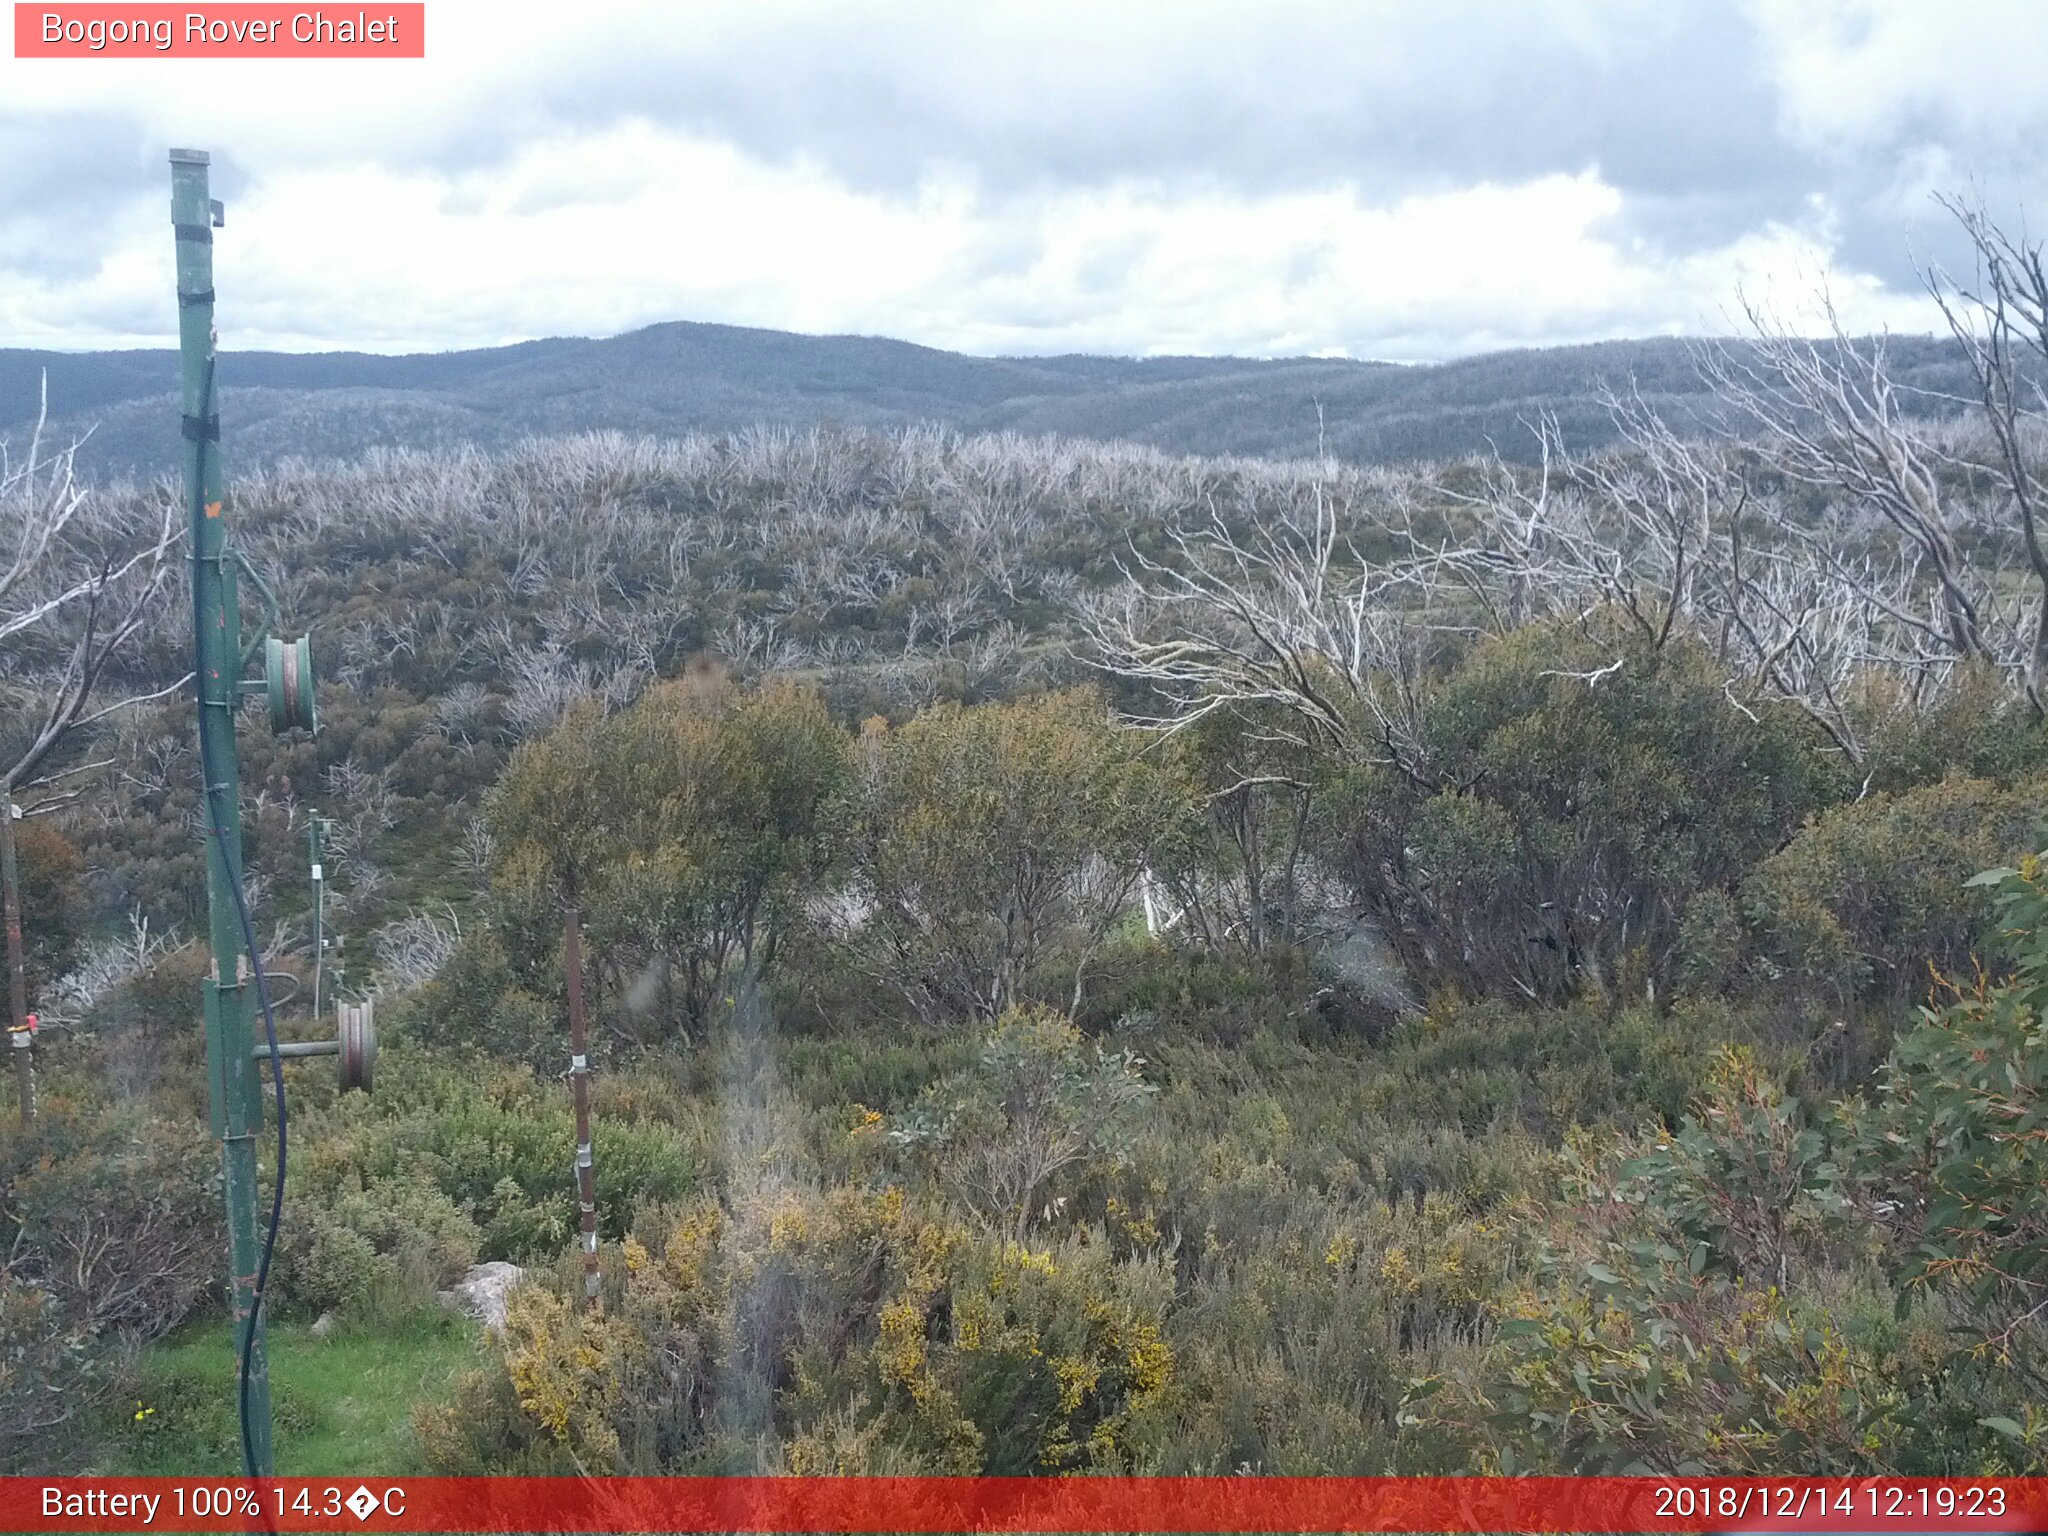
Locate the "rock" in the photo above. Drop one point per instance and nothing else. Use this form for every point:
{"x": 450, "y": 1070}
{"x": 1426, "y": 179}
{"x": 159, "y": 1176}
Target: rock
{"x": 323, "y": 1325}
{"x": 483, "y": 1290}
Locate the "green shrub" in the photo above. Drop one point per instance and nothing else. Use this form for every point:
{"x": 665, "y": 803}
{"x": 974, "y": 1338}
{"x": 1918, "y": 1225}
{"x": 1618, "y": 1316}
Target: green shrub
{"x": 1949, "y": 1158}
{"x": 53, "y": 1368}
{"x": 1656, "y": 1333}
{"x": 1711, "y": 945}
{"x": 143, "y": 1028}
{"x": 997, "y": 847}
{"x": 1231, "y": 866}
{"x": 112, "y": 1222}
{"x": 498, "y": 1144}
{"x": 1745, "y": 1180}
{"x": 1196, "y": 995}
{"x": 478, "y": 1003}
{"x": 1487, "y": 1063}
{"x": 115, "y": 1213}
{"x": 51, "y": 890}
{"x": 1566, "y": 811}
{"x": 1038, "y": 1103}
{"x": 1635, "y": 1364}
{"x": 689, "y": 828}
{"x": 1735, "y": 1295}
{"x": 1978, "y": 728}
{"x": 375, "y": 1253}
{"x": 1866, "y": 898}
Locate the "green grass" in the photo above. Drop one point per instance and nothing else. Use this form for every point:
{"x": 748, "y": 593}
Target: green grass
{"x": 342, "y": 1406}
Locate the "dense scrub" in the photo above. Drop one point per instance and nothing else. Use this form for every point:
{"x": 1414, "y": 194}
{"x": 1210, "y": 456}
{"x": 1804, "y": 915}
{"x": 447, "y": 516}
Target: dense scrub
{"x": 1564, "y": 1056}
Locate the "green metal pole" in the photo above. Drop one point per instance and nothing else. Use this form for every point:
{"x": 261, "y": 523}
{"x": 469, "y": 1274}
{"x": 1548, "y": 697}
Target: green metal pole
{"x": 231, "y": 1072}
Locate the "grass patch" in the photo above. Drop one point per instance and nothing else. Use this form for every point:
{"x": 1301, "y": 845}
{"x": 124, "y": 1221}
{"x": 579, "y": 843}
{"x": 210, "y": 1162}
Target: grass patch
{"x": 341, "y": 1406}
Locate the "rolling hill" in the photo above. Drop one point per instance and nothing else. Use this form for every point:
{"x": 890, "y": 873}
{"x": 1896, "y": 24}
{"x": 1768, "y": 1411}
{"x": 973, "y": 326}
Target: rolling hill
{"x": 679, "y": 377}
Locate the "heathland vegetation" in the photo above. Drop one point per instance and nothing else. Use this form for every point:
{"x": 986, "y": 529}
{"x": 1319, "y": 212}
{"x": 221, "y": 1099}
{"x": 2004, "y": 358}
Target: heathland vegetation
{"x": 1099, "y": 960}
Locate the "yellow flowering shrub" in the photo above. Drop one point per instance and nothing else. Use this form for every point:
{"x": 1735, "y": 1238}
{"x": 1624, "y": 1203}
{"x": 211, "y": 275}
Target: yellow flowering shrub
{"x": 871, "y": 1332}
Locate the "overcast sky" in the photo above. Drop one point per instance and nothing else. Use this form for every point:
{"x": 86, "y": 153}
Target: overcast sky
{"x": 1275, "y": 177}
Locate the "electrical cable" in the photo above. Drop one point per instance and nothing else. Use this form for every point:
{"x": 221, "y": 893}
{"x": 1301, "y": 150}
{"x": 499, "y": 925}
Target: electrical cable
{"x": 217, "y": 825}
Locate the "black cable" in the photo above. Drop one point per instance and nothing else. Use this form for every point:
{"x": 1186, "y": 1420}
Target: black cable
{"x": 217, "y": 824}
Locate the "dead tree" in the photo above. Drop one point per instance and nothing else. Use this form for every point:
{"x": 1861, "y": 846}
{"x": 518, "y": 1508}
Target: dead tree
{"x": 2000, "y": 319}
{"x": 80, "y": 583}
{"x": 76, "y": 589}
{"x": 1627, "y": 529}
{"x": 1828, "y": 414}
{"x": 1285, "y": 620}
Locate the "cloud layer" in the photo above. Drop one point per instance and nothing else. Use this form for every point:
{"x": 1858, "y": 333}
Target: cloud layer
{"x": 1282, "y": 177}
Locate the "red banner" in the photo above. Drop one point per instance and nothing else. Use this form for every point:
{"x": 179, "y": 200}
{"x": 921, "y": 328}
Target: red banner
{"x": 222, "y": 31}
{"x": 961, "y": 1504}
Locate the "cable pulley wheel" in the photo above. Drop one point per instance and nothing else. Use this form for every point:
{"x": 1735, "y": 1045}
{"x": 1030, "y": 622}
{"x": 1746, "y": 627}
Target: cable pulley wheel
{"x": 358, "y": 1036}
{"x": 288, "y": 675}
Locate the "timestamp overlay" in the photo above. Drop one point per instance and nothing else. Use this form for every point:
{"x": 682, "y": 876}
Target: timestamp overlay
{"x": 954, "y": 1504}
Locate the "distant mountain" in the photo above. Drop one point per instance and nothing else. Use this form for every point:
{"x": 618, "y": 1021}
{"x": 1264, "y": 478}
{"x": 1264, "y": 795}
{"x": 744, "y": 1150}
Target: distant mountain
{"x": 670, "y": 379}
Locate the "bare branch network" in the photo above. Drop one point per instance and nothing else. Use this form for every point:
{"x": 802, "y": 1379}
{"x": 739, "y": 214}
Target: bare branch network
{"x": 1837, "y": 551}
{"x": 81, "y": 582}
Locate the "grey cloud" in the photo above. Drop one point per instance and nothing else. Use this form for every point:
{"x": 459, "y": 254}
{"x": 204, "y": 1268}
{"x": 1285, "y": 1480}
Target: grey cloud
{"x": 72, "y": 187}
{"x": 1681, "y": 106}
{"x": 1678, "y": 107}
{"x": 1106, "y": 267}
{"x": 74, "y": 160}
{"x": 1278, "y": 97}
{"x": 79, "y": 187}
{"x": 1671, "y": 104}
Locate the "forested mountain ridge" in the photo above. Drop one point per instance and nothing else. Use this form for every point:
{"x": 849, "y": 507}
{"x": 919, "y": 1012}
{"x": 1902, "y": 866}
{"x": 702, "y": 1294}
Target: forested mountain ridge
{"x": 683, "y": 376}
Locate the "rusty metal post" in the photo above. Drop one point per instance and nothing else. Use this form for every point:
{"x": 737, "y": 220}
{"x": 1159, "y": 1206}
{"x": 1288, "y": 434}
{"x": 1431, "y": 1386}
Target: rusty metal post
{"x": 579, "y": 1084}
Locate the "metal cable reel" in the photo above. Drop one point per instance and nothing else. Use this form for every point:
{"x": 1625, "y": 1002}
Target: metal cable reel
{"x": 358, "y": 1039}
{"x": 288, "y": 676}
{"x": 354, "y": 1044}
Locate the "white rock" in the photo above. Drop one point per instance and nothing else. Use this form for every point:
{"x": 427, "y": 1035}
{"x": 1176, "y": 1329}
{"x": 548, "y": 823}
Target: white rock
{"x": 482, "y": 1292}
